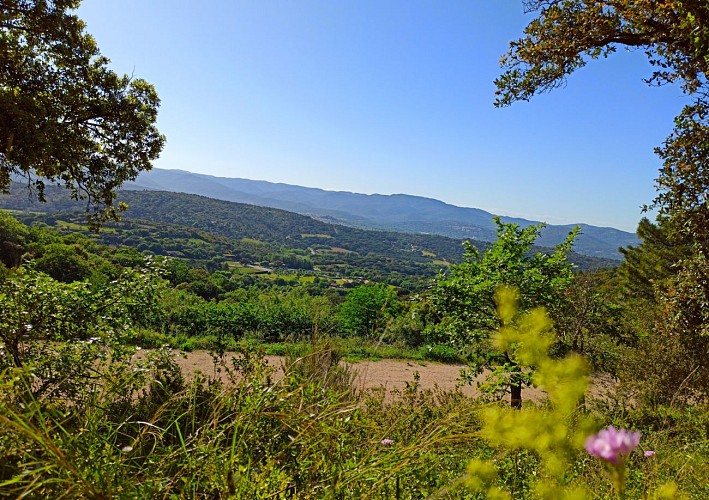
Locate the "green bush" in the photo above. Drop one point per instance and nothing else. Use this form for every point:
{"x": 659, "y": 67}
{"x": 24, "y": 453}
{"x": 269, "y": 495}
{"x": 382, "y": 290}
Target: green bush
{"x": 440, "y": 352}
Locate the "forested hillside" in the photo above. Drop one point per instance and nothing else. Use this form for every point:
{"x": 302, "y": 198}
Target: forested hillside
{"x": 200, "y": 228}
{"x": 398, "y": 212}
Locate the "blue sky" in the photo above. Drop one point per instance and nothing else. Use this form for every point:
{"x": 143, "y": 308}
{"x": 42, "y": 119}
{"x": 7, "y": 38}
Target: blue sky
{"x": 389, "y": 97}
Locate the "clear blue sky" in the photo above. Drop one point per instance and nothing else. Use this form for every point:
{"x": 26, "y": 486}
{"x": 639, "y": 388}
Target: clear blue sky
{"x": 389, "y": 96}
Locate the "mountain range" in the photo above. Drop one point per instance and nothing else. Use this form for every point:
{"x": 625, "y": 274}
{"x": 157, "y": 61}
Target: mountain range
{"x": 396, "y": 212}
{"x": 213, "y": 233}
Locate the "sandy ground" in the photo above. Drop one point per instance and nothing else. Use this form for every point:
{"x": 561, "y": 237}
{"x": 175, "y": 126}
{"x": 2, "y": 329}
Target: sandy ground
{"x": 389, "y": 374}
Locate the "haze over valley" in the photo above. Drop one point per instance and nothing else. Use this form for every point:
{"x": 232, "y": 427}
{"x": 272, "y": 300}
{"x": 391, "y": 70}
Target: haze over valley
{"x": 398, "y": 212}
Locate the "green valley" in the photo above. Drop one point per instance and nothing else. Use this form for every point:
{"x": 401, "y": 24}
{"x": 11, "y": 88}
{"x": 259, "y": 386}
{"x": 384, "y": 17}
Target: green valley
{"x": 185, "y": 347}
{"x": 216, "y": 233}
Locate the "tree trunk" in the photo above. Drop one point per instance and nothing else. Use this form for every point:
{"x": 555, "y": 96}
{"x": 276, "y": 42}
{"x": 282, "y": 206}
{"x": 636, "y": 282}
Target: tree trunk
{"x": 516, "y": 396}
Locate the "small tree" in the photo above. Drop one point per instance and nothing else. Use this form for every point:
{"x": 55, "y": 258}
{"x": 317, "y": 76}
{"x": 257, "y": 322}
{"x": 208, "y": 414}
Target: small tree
{"x": 367, "y": 309}
{"x": 465, "y": 298}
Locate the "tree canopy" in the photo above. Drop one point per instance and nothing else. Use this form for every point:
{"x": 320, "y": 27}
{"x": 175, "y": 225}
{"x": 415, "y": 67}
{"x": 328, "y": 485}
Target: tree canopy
{"x": 467, "y": 299}
{"x": 567, "y": 34}
{"x": 366, "y": 309}
{"x": 466, "y": 296}
{"x": 674, "y": 34}
{"x": 65, "y": 117}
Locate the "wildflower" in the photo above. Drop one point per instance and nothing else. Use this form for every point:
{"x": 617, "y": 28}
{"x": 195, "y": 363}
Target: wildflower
{"x": 649, "y": 453}
{"x": 609, "y": 444}
{"x": 127, "y": 449}
{"x": 387, "y": 442}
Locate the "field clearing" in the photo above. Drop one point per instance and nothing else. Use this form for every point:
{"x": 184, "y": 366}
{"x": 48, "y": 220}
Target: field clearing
{"x": 252, "y": 241}
{"x": 324, "y": 236}
{"x": 22, "y": 212}
{"x": 242, "y": 269}
{"x": 387, "y": 374}
{"x": 73, "y": 226}
{"x": 340, "y": 250}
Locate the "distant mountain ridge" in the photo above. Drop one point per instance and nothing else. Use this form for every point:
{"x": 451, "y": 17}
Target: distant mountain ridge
{"x": 197, "y": 227}
{"x": 397, "y": 212}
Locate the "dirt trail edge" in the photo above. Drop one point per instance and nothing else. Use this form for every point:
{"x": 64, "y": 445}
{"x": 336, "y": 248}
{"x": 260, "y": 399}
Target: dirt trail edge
{"x": 390, "y": 374}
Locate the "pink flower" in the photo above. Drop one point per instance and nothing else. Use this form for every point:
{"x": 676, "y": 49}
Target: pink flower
{"x": 649, "y": 453}
{"x": 387, "y": 442}
{"x": 609, "y": 444}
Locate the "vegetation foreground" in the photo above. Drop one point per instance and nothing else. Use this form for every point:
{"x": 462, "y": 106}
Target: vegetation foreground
{"x": 120, "y": 429}
{"x": 80, "y": 418}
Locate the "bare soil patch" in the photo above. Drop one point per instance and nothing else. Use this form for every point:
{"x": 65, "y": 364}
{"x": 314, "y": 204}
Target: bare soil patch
{"x": 389, "y": 374}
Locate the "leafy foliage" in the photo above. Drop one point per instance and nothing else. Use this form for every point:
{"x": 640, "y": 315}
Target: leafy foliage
{"x": 366, "y": 310}
{"x": 64, "y": 116}
{"x": 268, "y": 316}
{"x": 674, "y": 35}
{"x": 38, "y": 310}
{"x": 13, "y": 238}
{"x": 683, "y": 182}
{"x": 466, "y": 296}
{"x": 466, "y": 299}
{"x": 592, "y": 321}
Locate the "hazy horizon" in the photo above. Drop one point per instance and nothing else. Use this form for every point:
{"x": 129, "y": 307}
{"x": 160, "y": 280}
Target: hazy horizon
{"x": 518, "y": 216}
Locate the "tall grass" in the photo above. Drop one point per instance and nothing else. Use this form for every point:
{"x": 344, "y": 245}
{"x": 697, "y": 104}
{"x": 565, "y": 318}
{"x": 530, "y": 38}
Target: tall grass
{"x": 307, "y": 435}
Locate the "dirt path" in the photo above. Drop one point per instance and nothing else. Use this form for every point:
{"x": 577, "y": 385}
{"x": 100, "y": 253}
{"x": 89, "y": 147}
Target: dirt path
{"x": 390, "y": 374}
